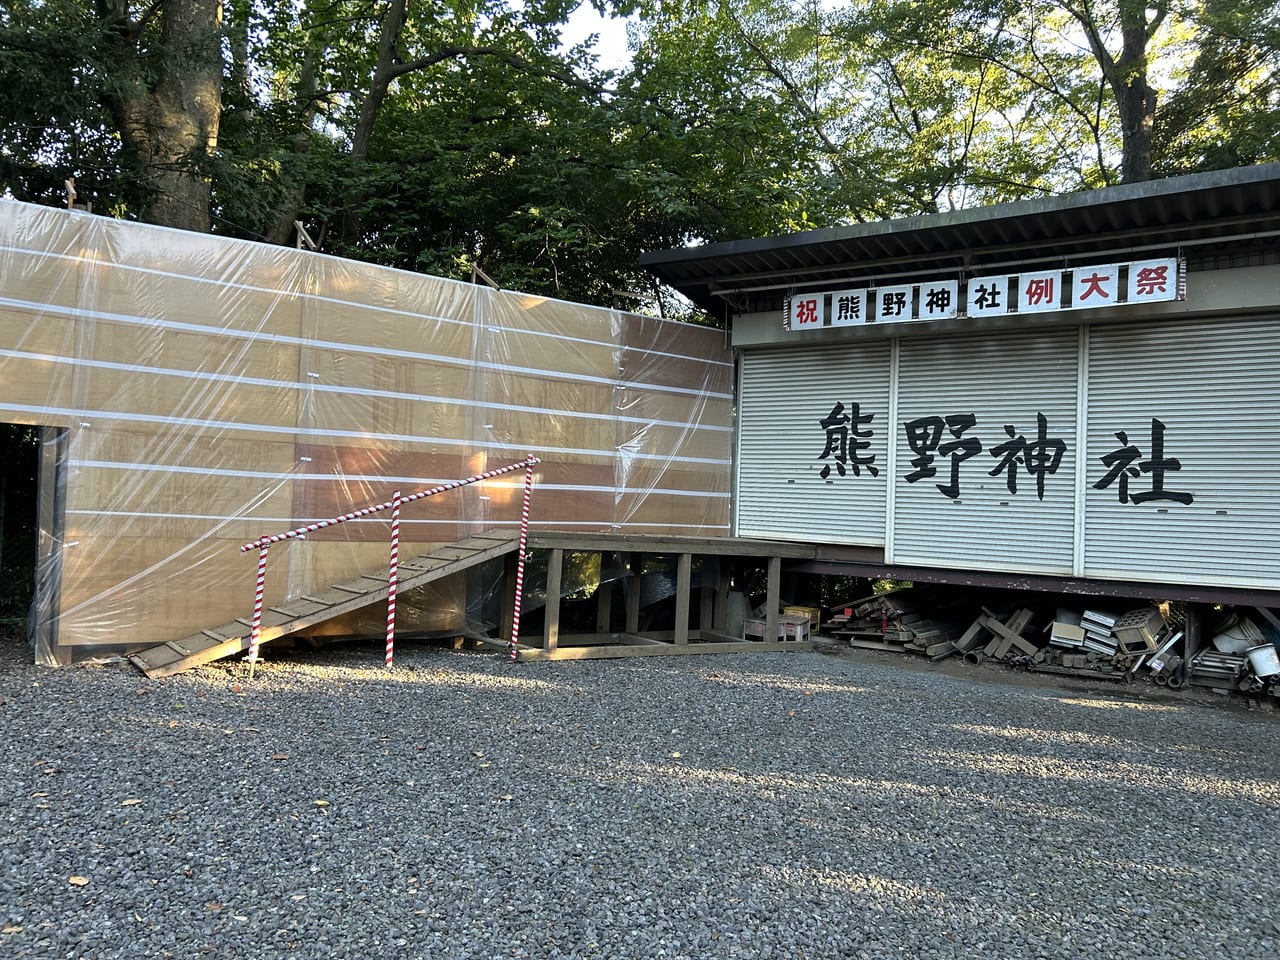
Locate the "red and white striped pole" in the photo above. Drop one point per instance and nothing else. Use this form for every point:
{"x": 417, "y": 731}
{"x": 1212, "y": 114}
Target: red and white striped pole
{"x": 524, "y": 540}
{"x": 394, "y": 505}
{"x": 385, "y": 505}
{"x": 258, "y": 591}
{"x": 393, "y": 574}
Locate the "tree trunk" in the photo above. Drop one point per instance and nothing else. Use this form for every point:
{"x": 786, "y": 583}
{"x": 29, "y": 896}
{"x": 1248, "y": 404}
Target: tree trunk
{"x": 362, "y": 135}
{"x": 1135, "y": 98}
{"x": 293, "y": 191}
{"x": 170, "y": 125}
{"x": 1126, "y": 75}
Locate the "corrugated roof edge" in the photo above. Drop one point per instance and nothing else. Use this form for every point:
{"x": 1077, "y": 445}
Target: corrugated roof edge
{"x": 1040, "y": 206}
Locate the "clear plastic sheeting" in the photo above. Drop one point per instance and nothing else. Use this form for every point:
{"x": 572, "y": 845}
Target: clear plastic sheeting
{"x": 202, "y": 392}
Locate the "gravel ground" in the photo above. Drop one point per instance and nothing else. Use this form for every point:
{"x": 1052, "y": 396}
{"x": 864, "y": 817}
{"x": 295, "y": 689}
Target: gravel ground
{"x": 763, "y": 806}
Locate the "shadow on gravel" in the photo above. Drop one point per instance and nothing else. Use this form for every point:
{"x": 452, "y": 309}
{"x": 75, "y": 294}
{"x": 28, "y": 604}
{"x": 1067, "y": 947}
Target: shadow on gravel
{"x": 767, "y": 805}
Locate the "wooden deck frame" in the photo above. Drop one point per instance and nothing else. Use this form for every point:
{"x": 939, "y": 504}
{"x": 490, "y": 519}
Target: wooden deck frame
{"x": 681, "y": 640}
{"x": 310, "y": 610}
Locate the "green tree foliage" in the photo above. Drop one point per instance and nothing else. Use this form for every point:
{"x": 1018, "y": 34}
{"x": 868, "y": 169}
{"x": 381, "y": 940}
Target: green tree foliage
{"x": 1085, "y": 93}
{"x": 462, "y": 133}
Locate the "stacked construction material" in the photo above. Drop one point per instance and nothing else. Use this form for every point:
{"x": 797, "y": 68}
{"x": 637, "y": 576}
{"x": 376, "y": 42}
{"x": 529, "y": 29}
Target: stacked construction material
{"x": 1003, "y": 636}
{"x": 1092, "y": 643}
{"x": 1168, "y": 669}
{"x": 1241, "y": 658}
{"x": 1104, "y": 643}
{"x": 1213, "y": 668}
{"x": 1098, "y": 637}
{"x": 890, "y": 621}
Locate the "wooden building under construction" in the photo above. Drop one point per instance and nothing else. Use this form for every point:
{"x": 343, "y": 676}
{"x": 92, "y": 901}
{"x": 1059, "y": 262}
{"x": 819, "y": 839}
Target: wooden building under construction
{"x": 1075, "y": 394}
{"x": 195, "y": 393}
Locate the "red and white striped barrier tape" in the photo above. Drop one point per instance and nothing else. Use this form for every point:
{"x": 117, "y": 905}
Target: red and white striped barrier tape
{"x": 394, "y": 504}
{"x": 386, "y": 505}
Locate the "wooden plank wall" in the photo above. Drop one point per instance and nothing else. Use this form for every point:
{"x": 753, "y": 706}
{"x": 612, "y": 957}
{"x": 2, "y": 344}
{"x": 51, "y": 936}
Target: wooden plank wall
{"x": 214, "y": 391}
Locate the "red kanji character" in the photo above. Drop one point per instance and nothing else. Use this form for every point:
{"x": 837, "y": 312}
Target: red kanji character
{"x": 1152, "y": 279}
{"x": 1095, "y": 283}
{"x": 1039, "y": 290}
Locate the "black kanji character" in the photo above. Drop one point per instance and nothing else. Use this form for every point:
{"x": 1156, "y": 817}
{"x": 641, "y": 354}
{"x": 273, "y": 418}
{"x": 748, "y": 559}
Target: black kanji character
{"x": 1121, "y": 464}
{"x": 1040, "y": 458}
{"x": 836, "y": 423}
{"x": 924, "y": 436}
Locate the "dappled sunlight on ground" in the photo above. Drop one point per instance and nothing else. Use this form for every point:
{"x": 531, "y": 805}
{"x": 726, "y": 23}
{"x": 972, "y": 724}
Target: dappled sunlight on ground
{"x": 880, "y": 892}
{"x": 1108, "y": 704}
{"x": 1025, "y": 735}
{"x": 1111, "y": 772}
{"x": 801, "y": 685}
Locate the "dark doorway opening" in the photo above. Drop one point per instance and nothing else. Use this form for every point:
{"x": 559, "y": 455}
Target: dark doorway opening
{"x": 19, "y": 523}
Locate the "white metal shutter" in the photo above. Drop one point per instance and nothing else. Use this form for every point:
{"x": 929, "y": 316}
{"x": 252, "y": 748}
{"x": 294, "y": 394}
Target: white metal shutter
{"x": 785, "y": 394}
{"x": 1000, "y": 379}
{"x": 1216, "y": 388}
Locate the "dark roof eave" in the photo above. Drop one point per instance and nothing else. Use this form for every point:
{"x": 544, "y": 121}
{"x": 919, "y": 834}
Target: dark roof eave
{"x": 1058, "y": 222}
{"x": 974, "y": 216}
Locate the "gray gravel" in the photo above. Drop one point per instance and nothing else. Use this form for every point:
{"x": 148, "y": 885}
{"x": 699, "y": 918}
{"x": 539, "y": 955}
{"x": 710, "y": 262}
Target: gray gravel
{"x": 767, "y": 806}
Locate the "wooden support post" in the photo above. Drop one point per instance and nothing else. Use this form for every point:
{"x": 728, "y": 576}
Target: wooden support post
{"x": 604, "y": 606}
{"x": 720, "y": 617}
{"x": 551, "y": 625}
{"x": 773, "y": 599}
{"x": 706, "y": 610}
{"x": 508, "y": 601}
{"x": 684, "y": 568}
{"x": 1192, "y": 634}
{"x": 635, "y": 563}
{"x": 51, "y": 518}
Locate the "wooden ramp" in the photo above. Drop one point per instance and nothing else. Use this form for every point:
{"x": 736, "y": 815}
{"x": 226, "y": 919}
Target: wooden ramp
{"x": 310, "y": 610}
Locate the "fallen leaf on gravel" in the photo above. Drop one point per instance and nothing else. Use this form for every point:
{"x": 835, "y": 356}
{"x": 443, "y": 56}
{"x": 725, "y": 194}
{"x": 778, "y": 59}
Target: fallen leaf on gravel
{"x": 676, "y": 754}
{"x": 321, "y": 803}
{"x": 236, "y": 688}
{"x": 10, "y": 929}
{"x": 477, "y": 753}
{"x": 131, "y": 802}
{"x": 40, "y": 794}
{"x": 214, "y": 905}
{"x": 279, "y": 756}
{"x": 78, "y": 881}
{"x": 298, "y": 896}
